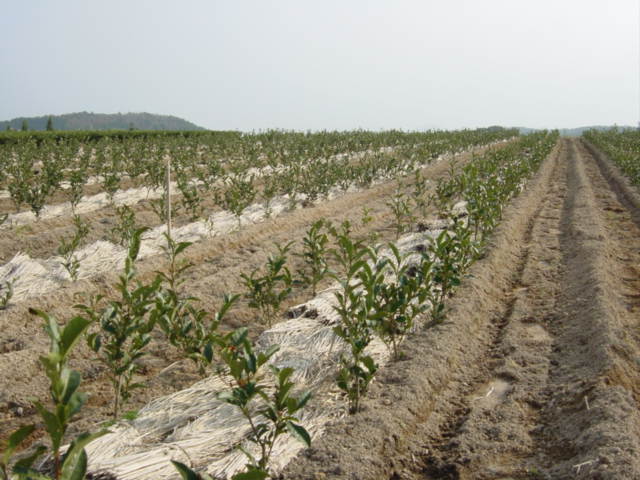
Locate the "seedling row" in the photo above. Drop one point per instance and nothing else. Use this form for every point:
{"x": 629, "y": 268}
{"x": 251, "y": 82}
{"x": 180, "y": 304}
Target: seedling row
{"x": 296, "y": 185}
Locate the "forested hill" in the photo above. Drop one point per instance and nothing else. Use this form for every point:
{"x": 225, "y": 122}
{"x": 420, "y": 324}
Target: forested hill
{"x": 102, "y": 121}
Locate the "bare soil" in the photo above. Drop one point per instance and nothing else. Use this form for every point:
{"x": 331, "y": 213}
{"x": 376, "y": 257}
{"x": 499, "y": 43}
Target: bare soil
{"x": 535, "y": 373}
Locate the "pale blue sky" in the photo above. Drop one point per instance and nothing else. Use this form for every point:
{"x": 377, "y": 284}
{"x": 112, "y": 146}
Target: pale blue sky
{"x": 326, "y": 64}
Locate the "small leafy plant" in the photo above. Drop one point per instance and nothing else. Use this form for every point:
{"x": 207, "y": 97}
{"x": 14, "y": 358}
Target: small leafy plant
{"x": 276, "y": 413}
{"x": 111, "y": 182}
{"x": 239, "y": 194}
{"x": 125, "y": 327}
{"x": 270, "y": 409}
{"x": 314, "y": 255}
{"x": 419, "y": 194}
{"x": 159, "y": 206}
{"x": 399, "y": 299}
{"x": 354, "y": 307}
{"x": 186, "y": 326}
{"x": 191, "y": 195}
{"x": 67, "y": 402}
{"x": 77, "y": 181}
{"x": 126, "y": 226}
{"x": 269, "y": 191}
{"x": 365, "y": 220}
{"x": 67, "y": 249}
{"x": 401, "y": 209}
{"x": 267, "y": 292}
{"x": 448, "y": 267}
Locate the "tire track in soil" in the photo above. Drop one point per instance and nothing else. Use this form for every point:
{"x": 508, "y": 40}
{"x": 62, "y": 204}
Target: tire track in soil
{"x": 558, "y": 391}
{"x": 591, "y": 421}
{"x": 488, "y": 434}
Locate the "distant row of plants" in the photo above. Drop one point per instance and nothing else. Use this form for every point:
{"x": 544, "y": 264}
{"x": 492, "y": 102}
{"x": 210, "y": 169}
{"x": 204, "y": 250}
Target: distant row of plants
{"x": 622, "y": 147}
{"x": 207, "y": 136}
{"x": 233, "y": 188}
{"x": 89, "y": 136}
{"x": 33, "y": 171}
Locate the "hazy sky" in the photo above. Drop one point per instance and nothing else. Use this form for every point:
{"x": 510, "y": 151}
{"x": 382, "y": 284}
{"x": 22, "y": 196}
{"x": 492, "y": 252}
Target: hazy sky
{"x": 325, "y": 64}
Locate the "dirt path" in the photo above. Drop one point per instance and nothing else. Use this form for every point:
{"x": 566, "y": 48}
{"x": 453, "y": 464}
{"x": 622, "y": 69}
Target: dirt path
{"x": 561, "y": 373}
{"x": 536, "y": 374}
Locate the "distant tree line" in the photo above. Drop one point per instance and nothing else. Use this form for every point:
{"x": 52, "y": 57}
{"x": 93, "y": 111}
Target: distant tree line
{"x": 99, "y": 121}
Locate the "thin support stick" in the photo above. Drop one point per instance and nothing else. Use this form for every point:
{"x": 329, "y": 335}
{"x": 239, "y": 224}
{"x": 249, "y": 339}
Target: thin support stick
{"x": 168, "y": 190}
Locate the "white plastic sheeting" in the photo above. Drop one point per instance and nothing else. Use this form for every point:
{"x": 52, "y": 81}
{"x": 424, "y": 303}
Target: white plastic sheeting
{"x": 33, "y": 277}
{"x": 101, "y": 200}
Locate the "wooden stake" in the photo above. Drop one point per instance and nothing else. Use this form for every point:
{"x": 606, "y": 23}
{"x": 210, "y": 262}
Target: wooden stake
{"x": 168, "y": 192}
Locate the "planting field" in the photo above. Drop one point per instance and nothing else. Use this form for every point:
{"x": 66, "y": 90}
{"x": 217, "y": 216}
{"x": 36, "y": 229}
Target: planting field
{"x": 459, "y": 305}
{"x": 535, "y": 373}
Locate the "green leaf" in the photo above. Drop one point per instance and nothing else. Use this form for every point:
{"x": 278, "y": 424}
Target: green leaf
{"x": 186, "y": 473}
{"x": 52, "y": 424}
{"x": 304, "y": 399}
{"x": 24, "y": 464}
{"x": 181, "y": 247}
{"x": 370, "y": 364}
{"x": 284, "y": 375}
{"x": 71, "y": 382}
{"x": 134, "y": 246}
{"x": 72, "y": 332}
{"x": 251, "y": 364}
{"x": 251, "y": 475}
{"x": 94, "y": 342}
{"x": 15, "y": 439}
{"x": 74, "y": 465}
{"x": 271, "y": 351}
{"x": 300, "y": 433}
{"x": 239, "y": 335}
{"x": 207, "y": 353}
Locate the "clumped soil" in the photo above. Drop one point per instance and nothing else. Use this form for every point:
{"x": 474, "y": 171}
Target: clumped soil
{"x": 535, "y": 373}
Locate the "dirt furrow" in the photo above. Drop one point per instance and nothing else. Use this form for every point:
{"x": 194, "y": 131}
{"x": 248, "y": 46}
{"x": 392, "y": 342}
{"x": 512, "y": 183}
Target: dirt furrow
{"x": 488, "y": 434}
{"x": 589, "y": 424}
{"x": 598, "y": 372}
{"x": 548, "y": 401}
